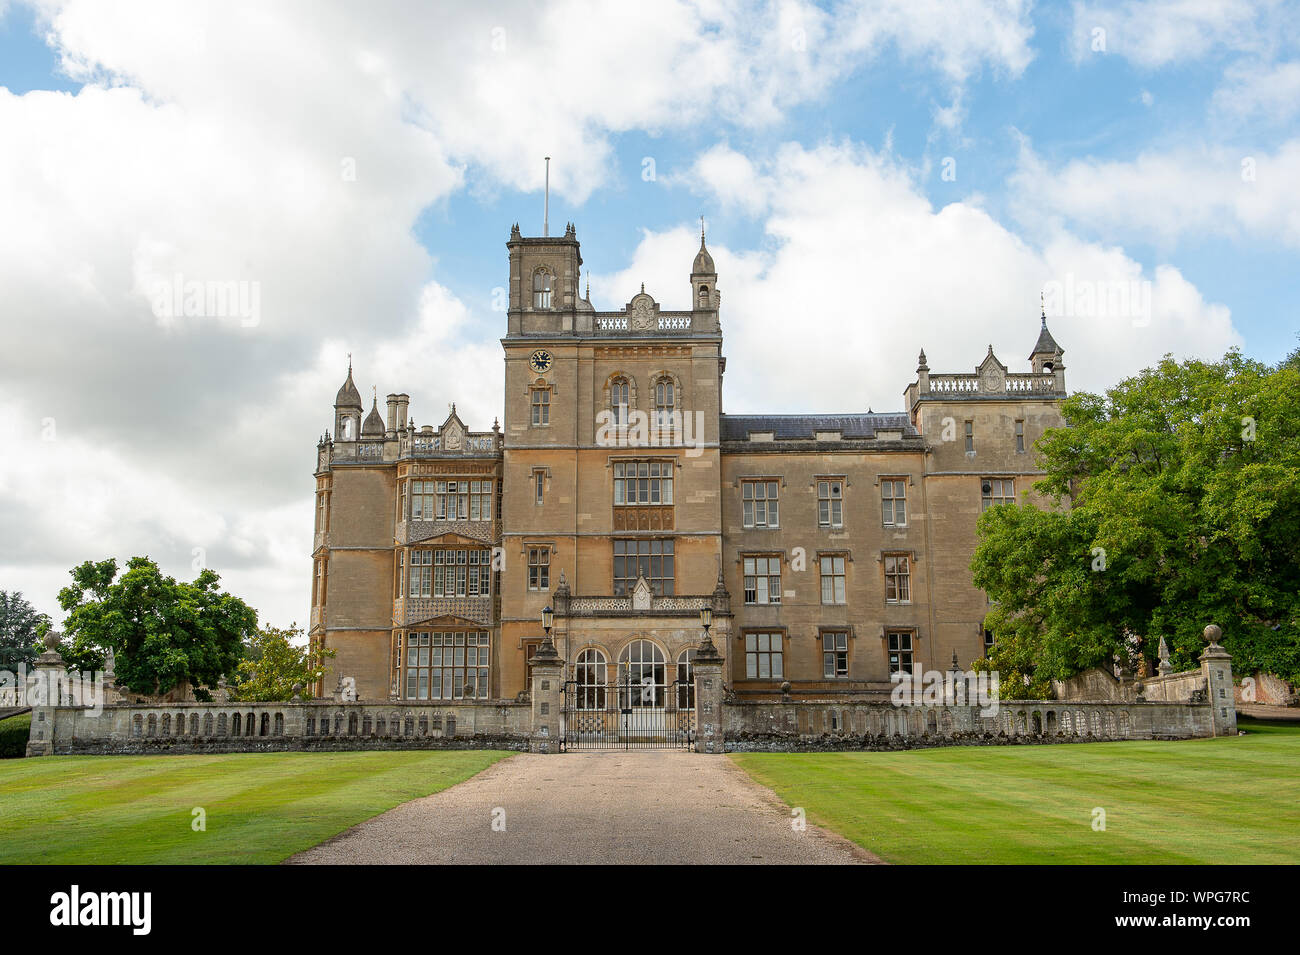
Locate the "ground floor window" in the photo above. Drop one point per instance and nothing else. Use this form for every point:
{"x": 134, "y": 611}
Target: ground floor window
{"x": 835, "y": 655}
{"x": 686, "y": 679}
{"x": 764, "y": 657}
{"x": 900, "y": 651}
{"x": 642, "y": 675}
{"x": 590, "y": 675}
{"x": 447, "y": 666}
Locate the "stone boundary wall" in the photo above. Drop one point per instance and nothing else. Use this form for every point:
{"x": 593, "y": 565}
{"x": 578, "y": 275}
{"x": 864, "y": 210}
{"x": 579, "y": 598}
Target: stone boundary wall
{"x": 308, "y": 726}
{"x": 814, "y": 726}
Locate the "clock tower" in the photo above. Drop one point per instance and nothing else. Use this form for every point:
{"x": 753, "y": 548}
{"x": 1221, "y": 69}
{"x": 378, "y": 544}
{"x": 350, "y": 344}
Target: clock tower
{"x": 611, "y": 465}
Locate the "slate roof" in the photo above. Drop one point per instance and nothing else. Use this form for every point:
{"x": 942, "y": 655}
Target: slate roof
{"x": 1046, "y": 344}
{"x": 794, "y": 427}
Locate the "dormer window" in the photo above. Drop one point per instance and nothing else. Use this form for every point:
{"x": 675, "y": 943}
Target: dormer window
{"x": 541, "y": 289}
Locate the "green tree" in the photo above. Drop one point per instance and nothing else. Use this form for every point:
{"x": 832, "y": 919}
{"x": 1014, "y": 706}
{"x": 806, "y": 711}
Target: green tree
{"x": 1177, "y": 504}
{"x": 273, "y": 662}
{"x": 21, "y": 629}
{"x": 162, "y": 632}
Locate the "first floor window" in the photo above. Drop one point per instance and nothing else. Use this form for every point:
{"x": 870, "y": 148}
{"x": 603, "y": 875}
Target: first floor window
{"x": 643, "y": 482}
{"x": 835, "y": 655}
{"x": 763, "y": 656}
{"x": 830, "y": 503}
{"x": 762, "y": 580}
{"x": 447, "y": 666}
{"x": 759, "y": 504}
{"x": 450, "y": 573}
{"x": 832, "y": 568}
{"x": 970, "y": 436}
{"x": 898, "y": 586}
{"x": 1020, "y": 436}
{"x": 900, "y": 651}
{"x": 997, "y": 491}
{"x": 651, "y": 559}
{"x": 988, "y": 642}
{"x": 893, "y": 502}
{"x": 539, "y": 568}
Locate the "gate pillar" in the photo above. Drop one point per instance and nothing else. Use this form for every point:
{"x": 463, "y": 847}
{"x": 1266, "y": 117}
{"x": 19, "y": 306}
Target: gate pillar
{"x": 548, "y": 698}
{"x": 707, "y": 667}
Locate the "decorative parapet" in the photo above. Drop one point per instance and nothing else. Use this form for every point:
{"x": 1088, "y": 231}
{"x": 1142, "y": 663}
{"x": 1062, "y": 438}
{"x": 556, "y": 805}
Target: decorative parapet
{"x": 626, "y": 606}
{"x": 410, "y": 610}
{"x": 413, "y": 532}
{"x": 975, "y": 385}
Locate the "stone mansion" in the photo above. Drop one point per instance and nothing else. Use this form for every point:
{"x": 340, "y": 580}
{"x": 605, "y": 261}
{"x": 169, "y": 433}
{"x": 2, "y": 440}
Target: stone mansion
{"x": 833, "y": 549}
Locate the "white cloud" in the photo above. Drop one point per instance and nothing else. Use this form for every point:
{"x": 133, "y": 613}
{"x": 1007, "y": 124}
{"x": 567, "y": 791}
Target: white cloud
{"x": 1164, "y": 196}
{"x": 1155, "y": 33}
{"x": 864, "y": 272}
{"x": 1259, "y": 91}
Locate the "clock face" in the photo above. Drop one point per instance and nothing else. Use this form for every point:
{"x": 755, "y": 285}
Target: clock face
{"x": 540, "y": 361}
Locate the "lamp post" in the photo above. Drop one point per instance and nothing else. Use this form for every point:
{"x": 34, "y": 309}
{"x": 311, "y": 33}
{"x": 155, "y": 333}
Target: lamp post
{"x": 707, "y": 649}
{"x": 547, "y": 649}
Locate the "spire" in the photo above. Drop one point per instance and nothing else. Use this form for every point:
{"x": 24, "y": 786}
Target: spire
{"x": 348, "y": 396}
{"x": 374, "y": 424}
{"x": 1042, "y": 303}
{"x": 703, "y": 264}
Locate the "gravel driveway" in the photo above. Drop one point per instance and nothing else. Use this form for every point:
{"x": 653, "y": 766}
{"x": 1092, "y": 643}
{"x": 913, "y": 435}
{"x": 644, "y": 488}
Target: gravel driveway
{"x": 656, "y": 806}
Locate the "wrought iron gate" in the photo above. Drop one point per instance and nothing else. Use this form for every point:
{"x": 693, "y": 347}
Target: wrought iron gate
{"x": 628, "y": 716}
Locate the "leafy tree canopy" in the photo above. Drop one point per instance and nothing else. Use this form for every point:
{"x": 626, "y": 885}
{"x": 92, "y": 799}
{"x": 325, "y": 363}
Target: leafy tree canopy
{"x": 21, "y": 630}
{"x": 273, "y": 662}
{"x": 1184, "y": 483}
{"x": 162, "y": 632}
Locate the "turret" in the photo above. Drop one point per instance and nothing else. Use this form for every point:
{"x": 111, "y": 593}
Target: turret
{"x": 704, "y": 279}
{"x": 347, "y": 409}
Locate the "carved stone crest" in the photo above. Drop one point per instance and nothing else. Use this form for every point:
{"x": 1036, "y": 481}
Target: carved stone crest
{"x": 641, "y": 313}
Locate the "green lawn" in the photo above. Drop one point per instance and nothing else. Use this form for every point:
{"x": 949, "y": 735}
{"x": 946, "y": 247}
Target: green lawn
{"x": 1234, "y": 800}
{"x": 261, "y": 807}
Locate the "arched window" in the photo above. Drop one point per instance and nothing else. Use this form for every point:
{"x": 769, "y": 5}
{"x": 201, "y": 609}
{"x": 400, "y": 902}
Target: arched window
{"x": 642, "y": 675}
{"x": 590, "y": 674}
{"x": 541, "y": 289}
{"x": 618, "y": 400}
{"x": 704, "y": 296}
{"x": 665, "y": 408}
{"x": 686, "y": 679}
{"x": 345, "y": 429}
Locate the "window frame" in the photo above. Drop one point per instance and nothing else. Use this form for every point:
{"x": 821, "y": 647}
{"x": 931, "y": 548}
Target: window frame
{"x": 835, "y": 652}
{"x": 906, "y": 655}
{"x": 894, "y": 502}
{"x": 749, "y": 570}
{"x": 834, "y": 503}
{"x": 751, "y": 503}
{"x": 756, "y": 653}
{"x": 901, "y": 580}
{"x": 842, "y": 576}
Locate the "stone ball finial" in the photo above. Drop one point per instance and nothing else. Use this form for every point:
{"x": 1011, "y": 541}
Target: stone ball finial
{"x": 52, "y": 640}
{"x": 1212, "y": 633}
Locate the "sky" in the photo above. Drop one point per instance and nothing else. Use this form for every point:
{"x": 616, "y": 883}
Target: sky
{"x": 874, "y": 179}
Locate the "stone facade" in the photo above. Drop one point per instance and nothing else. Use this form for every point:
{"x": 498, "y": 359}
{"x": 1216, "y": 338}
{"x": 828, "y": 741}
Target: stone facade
{"x": 840, "y": 542}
